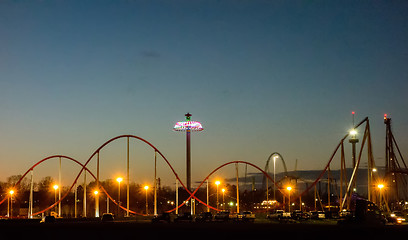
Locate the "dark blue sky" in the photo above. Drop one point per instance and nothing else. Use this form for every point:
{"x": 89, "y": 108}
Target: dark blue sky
{"x": 262, "y": 76}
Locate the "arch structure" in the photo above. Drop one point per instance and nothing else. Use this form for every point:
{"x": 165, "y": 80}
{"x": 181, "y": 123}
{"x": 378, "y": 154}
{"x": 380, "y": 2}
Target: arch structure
{"x": 267, "y": 167}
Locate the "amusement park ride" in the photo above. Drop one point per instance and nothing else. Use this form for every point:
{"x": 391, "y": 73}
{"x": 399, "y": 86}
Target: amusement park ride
{"x": 386, "y": 191}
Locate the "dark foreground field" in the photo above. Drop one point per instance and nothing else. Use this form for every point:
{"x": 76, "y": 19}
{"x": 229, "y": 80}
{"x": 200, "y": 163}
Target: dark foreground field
{"x": 137, "y": 230}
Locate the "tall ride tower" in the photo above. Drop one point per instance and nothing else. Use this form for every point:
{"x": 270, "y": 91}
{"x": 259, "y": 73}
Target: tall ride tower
{"x": 188, "y": 126}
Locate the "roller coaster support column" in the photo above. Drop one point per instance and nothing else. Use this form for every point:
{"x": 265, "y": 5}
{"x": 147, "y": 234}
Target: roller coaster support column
{"x": 84, "y": 206}
{"x": 75, "y": 204}
{"x": 177, "y": 197}
{"x": 59, "y": 189}
{"x": 30, "y": 205}
{"x": 97, "y": 187}
{"x": 155, "y": 183}
{"x": 236, "y": 166}
{"x": 208, "y": 198}
{"x": 127, "y": 180}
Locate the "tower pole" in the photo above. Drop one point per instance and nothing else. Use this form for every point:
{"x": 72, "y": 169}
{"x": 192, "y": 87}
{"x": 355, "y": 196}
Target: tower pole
{"x": 188, "y": 158}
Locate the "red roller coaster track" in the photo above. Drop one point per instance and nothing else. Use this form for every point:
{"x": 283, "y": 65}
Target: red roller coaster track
{"x": 192, "y": 194}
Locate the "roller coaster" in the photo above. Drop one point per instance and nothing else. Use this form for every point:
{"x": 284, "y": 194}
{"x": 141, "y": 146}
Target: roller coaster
{"x": 394, "y": 175}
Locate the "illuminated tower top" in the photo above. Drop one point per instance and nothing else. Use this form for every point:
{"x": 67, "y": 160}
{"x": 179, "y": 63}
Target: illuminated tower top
{"x": 188, "y": 125}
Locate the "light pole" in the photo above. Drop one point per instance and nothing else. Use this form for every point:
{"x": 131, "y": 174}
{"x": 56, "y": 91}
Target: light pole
{"x": 289, "y": 188}
{"x": 96, "y": 203}
{"x": 353, "y": 140}
{"x": 55, "y": 195}
{"x": 380, "y": 187}
{"x": 10, "y": 209}
{"x": 208, "y": 198}
{"x": 223, "y": 200}
{"x": 188, "y": 126}
{"x": 274, "y": 179}
{"x": 217, "y": 183}
{"x": 119, "y": 179}
{"x": 147, "y": 204}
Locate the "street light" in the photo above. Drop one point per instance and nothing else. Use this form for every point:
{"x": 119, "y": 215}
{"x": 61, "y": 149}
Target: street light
{"x": 380, "y": 187}
{"x": 147, "y": 205}
{"x": 119, "y": 179}
{"x": 96, "y": 203}
{"x": 10, "y": 207}
{"x": 289, "y": 188}
{"x": 55, "y": 195}
{"x": 217, "y": 183}
{"x": 274, "y": 173}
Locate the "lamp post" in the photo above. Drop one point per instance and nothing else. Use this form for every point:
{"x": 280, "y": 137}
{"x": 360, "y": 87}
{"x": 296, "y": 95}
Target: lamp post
{"x": 10, "y": 209}
{"x": 119, "y": 179}
{"x": 353, "y": 140}
{"x": 147, "y": 204}
{"x": 380, "y": 187}
{"x": 96, "y": 203}
{"x": 274, "y": 174}
{"x": 289, "y": 188}
{"x": 223, "y": 200}
{"x": 217, "y": 183}
{"x": 55, "y": 194}
{"x": 188, "y": 126}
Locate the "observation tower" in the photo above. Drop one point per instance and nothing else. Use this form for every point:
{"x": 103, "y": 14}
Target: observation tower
{"x": 188, "y": 126}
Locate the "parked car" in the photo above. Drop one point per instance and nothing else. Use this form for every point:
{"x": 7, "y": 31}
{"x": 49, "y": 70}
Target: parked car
{"x": 185, "y": 217}
{"x": 107, "y": 217}
{"x": 279, "y": 214}
{"x": 366, "y": 213}
{"x": 246, "y": 216}
{"x": 222, "y": 216}
{"x": 299, "y": 215}
{"x": 317, "y": 215}
{"x": 204, "y": 217}
{"x": 396, "y": 217}
{"x": 162, "y": 218}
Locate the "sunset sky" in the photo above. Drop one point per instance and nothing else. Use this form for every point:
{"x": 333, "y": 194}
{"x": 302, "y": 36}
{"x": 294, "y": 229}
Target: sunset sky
{"x": 261, "y": 76}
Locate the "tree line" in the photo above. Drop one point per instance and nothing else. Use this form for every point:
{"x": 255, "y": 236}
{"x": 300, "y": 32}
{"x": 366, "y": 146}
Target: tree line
{"x": 44, "y": 195}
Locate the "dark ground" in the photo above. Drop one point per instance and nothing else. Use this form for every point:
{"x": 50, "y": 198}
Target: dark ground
{"x": 137, "y": 230}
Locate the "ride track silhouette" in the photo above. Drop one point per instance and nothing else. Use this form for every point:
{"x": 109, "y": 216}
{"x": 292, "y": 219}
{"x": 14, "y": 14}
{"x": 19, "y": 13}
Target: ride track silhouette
{"x": 192, "y": 194}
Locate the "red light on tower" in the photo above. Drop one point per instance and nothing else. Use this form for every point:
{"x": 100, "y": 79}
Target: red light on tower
{"x": 352, "y": 114}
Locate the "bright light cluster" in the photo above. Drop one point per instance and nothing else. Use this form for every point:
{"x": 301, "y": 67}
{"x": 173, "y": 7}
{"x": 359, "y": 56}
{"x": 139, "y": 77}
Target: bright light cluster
{"x": 188, "y": 125}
